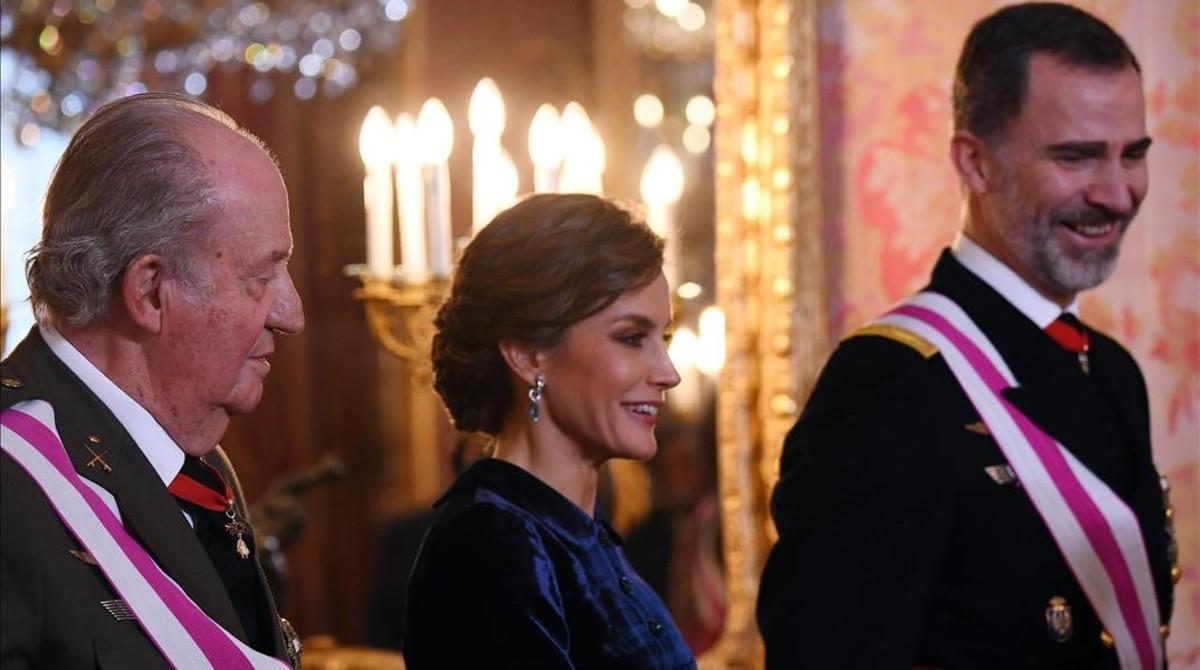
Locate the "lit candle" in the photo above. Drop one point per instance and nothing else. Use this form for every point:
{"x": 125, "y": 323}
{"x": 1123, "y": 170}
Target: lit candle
{"x": 410, "y": 191}
{"x": 662, "y": 186}
{"x": 485, "y": 116}
{"x": 712, "y": 341}
{"x": 545, "y": 149}
{"x": 436, "y": 133}
{"x": 373, "y": 141}
{"x": 583, "y": 156}
{"x": 506, "y": 182}
{"x": 594, "y": 161}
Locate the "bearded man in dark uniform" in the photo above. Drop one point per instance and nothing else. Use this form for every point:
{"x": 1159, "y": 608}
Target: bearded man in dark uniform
{"x": 160, "y": 282}
{"x": 910, "y": 536}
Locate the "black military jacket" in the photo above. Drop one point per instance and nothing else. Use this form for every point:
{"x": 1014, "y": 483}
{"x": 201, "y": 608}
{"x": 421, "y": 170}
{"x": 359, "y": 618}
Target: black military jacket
{"x": 898, "y": 549}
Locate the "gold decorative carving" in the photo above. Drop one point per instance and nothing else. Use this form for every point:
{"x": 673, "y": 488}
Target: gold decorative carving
{"x": 770, "y": 277}
{"x": 400, "y": 317}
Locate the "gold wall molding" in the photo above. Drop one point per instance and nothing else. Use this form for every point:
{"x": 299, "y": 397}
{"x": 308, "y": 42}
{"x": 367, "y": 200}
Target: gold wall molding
{"x": 770, "y": 277}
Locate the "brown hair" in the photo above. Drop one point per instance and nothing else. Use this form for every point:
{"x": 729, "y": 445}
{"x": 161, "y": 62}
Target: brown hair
{"x": 539, "y": 267}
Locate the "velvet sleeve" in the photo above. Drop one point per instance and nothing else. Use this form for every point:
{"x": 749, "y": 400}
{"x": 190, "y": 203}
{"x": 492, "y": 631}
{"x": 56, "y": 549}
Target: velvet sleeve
{"x": 484, "y": 594}
{"x": 862, "y": 515}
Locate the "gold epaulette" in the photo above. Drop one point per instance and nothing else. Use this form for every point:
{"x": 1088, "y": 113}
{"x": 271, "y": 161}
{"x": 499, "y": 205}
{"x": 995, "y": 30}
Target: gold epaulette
{"x": 905, "y": 337}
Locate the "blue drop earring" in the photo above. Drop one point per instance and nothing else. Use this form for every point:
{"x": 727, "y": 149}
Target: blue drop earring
{"x": 535, "y": 398}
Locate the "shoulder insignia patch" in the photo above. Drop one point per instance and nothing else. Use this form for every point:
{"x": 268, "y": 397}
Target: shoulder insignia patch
{"x": 898, "y": 334}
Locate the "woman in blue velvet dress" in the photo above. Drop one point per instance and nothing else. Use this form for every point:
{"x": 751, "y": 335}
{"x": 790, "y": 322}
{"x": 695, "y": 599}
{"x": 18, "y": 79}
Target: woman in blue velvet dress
{"x": 554, "y": 340}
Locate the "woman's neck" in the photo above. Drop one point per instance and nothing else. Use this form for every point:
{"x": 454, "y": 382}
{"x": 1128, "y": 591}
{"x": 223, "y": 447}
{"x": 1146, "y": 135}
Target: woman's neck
{"x": 552, "y": 458}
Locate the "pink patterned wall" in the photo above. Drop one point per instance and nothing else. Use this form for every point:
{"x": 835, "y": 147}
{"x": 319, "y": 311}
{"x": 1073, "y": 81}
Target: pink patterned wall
{"x": 892, "y": 203}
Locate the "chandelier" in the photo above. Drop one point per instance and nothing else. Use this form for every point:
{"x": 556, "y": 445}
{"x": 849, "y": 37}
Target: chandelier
{"x": 71, "y": 56}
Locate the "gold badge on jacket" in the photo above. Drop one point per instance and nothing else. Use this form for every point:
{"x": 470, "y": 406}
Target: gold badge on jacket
{"x": 1058, "y": 619}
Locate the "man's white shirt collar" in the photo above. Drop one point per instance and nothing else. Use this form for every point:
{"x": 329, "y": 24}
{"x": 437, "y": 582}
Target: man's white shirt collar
{"x": 1037, "y": 307}
{"x": 164, "y": 454}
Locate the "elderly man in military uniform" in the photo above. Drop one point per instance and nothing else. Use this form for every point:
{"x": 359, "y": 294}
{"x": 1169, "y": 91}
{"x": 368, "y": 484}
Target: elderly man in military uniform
{"x": 970, "y": 484}
{"x": 160, "y": 283}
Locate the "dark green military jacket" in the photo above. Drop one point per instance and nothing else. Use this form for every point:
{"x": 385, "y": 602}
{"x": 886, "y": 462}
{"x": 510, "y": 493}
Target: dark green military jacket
{"x": 51, "y": 614}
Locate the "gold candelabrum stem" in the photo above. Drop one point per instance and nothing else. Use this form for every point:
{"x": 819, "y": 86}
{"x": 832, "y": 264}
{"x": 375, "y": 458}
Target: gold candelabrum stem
{"x": 3, "y": 324}
{"x": 400, "y": 316}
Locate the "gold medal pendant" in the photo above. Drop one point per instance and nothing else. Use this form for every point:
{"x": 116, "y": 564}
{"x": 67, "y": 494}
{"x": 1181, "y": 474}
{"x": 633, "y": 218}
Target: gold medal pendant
{"x": 237, "y": 528}
{"x": 1058, "y": 619}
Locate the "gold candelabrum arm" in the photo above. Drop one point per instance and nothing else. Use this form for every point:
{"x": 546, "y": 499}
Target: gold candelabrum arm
{"x": 400, "y": 313}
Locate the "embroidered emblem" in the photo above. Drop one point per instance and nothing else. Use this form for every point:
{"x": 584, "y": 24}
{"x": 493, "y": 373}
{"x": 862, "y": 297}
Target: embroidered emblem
{"x": 119, "y": 609}
{"x": 898, "y": 334}
{"x": 1058, "y": 620}
{"x": 97, "y": 458}
{"x": 1002, "y": 474}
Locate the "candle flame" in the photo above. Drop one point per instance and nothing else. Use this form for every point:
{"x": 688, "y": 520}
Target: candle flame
{"x": 584, "y": 155}
{"x": 545, "y": 138}
{"x": 485, "y": 112}
{"x": 374, "y": 139}
{"x": 406, "y": 146}
{"x": 662, "y": 178}
{"x": 435, "y": 131}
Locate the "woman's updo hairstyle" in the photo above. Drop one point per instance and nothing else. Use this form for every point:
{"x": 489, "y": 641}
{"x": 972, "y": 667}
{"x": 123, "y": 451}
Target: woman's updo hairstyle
{"x": 539, "y": 267}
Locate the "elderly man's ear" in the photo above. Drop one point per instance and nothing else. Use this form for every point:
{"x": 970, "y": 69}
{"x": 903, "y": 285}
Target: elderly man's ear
{"x": 142, "y": 291}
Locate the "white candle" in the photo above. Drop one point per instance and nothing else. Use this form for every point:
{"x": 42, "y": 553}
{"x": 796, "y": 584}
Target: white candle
{"x": 410, "y": 192}
{"x": 662, "y": 186}
{"x": 594, "y": 162}
{"x": 437, "y": 210}
{"x": 373, "y": 142}
{"x": 576, "y": 141}
{"x": 485, "y": 116}
{"x": 583, "y": 153}
{"x": 506, "y": 183}
{"x": 485, "y": 161}
{"x": 436, "y": 132}
{"x": 545, "y": 149}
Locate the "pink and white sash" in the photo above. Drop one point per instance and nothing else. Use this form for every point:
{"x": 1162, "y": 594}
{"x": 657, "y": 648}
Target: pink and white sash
{"x": 1097, "y": 533}
{"x": 183, "y": 633}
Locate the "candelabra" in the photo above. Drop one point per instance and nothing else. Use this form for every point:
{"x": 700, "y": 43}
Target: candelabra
{"x": 400, "y": 315}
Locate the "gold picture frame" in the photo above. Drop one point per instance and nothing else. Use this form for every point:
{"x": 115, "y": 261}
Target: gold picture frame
{"x": 770, "y": 278}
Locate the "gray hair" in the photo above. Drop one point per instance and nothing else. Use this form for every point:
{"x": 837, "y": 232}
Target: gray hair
{"x": 128, "y": 184}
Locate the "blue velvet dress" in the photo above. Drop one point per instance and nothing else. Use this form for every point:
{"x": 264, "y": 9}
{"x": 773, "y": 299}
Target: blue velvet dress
{"x": 514, "y": 575}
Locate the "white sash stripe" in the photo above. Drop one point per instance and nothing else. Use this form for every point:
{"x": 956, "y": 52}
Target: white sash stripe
{"x": 1122, "y": 520}
{"x": 164, "y": 629}
{"x": 1047, "y": 499}
{"x": 1074, "y": 542}
{"x": 156, "y": 617}
{"x": 1125, "y": 525}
